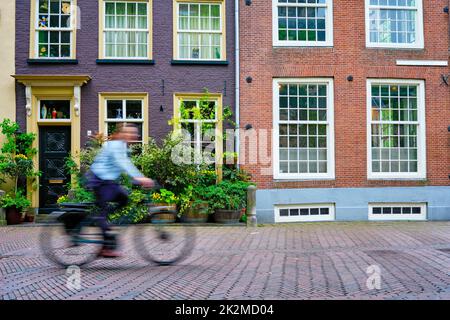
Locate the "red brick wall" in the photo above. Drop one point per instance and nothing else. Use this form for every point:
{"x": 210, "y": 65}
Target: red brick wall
{"x": 349, "y": 56}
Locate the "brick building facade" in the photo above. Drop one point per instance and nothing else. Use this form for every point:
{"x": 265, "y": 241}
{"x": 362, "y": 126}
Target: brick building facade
{"x": 357, "y": 96}
{"x": 91, "y": 62}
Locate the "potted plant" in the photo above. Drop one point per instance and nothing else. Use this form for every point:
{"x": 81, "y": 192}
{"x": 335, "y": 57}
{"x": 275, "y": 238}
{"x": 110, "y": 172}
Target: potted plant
{"x": 227, "y": 199}
{"x": 16, "y": 163}
{"x": 192, "y": 207}
{"x": 29, "y": 215}
{"x": 168, "y": 201}
{"x": 14, "y": 204}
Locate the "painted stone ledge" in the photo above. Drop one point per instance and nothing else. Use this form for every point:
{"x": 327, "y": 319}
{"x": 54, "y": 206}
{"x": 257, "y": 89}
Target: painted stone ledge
{"x": 2, "y": 212}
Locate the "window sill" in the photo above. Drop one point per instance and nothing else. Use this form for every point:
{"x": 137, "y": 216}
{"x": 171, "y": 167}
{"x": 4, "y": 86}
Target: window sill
{"x": 200, "y": 62}
{"x": 302, "y": 46}
{"x": 124, "y": 61}
{"x": 303, "y": 179}
{"x": 52, "y": 61}
{"x": 394, "y": 48}
{"x": 404, "y": 179}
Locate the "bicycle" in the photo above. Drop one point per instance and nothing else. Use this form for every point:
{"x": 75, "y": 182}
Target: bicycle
{"x": 71, "y": 237}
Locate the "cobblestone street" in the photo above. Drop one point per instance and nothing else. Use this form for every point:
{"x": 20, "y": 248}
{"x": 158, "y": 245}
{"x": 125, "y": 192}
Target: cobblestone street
{"x": 298, "y": 261}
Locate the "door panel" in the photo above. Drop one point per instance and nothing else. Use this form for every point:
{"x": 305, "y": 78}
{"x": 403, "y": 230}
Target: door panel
{"x": 54, "y": 147}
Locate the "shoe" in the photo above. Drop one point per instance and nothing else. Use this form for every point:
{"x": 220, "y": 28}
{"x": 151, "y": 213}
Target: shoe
{"x": 108, "y": 253}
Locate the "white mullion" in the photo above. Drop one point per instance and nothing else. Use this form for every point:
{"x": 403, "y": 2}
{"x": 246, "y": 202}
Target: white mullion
{"x": 124, "y": 109}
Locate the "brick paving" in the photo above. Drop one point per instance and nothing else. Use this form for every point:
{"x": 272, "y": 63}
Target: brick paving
{"x": 297, "y": 261}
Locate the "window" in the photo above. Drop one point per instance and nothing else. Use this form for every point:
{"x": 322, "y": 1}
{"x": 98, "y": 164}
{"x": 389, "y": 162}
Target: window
{"x": 53, "y": 37}
{"x": 126, "y": 30}
{"x": 303, "y": 129}
{"x": 53, "y": 110}
{"x": 394, "y": 23}
{"x": 118, "y": 108}
{"x": 397, "y": 211}
{"x": 200, "y": 30}
{"x": 396, "y": 129}
{"x": 200, "y": 117}
{"x": 305, "y": 212}
{"x": 303, "y": 23}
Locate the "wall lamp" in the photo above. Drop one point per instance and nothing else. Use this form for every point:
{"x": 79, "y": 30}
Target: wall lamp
{"x": 248, "y": 126}
{"x": 248, "y": 2}
{"x": 445, "y": 9}
{"x": 249, "y": 79}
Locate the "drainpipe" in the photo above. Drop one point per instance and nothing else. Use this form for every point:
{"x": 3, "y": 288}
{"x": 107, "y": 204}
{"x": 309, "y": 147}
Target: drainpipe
{"x": 237, "y": 77}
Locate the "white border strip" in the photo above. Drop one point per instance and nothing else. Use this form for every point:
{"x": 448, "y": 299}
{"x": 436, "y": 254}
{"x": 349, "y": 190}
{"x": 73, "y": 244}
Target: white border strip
{"x": 329, "y": 217}
{"x": 398, "y": 217}
{"x": 431, "y": 63}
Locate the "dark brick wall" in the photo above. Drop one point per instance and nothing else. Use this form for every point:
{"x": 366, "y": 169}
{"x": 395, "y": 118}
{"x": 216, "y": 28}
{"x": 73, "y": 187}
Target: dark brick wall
{"x": 128, "y": 78}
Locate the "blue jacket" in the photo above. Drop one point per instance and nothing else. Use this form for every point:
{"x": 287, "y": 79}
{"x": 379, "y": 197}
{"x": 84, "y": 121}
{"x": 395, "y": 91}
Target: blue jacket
{"x": 113, "y": 160}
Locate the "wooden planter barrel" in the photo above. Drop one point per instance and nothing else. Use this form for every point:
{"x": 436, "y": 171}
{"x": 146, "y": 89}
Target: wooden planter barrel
{"x": 196, "y": 214}
{"x": 167, "y": 215}
{"x": 227, "y": 216}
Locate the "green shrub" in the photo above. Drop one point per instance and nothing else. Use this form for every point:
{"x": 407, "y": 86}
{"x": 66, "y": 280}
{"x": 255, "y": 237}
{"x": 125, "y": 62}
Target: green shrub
{"x": 136, "y": 211}
{"x": 17, "y": 200}
{"x": 228, "y": 195}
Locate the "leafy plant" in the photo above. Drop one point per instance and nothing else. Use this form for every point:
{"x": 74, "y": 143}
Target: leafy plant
{"x": 232, "y": 173}
{"x": 164, "y": 196}
{"x": 228, "y": 195}
{"x": 136, "y": 210}
{"x": 17, "y": 199}
{"x": 156, "y": 161}
{"x": 16, "y": 157}
{"x": 190, "y": 198}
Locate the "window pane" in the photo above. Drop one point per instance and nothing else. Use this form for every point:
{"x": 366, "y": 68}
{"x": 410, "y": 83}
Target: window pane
{"x": 134, "y": 109}
{"x": 114, "y": 109}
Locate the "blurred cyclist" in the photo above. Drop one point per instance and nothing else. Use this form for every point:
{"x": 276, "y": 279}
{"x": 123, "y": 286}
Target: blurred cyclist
{"x": 109, "y": 164}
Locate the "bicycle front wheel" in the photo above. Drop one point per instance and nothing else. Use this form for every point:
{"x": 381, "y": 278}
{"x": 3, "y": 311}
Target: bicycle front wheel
{"x": 164, "y": 244}
{"x": 70, "y": 247}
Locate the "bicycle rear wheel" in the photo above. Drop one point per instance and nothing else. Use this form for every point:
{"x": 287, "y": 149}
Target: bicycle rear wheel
{"x": 164, "y": 244}
{"x": 75, "y": 247}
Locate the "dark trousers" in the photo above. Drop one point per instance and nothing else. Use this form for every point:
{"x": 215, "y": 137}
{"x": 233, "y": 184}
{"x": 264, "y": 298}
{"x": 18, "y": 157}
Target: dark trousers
{"x": 106, "y": 192}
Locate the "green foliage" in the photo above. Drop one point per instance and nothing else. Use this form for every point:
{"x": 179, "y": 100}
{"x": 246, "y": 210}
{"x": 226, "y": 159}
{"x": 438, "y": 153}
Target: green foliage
{"x": 16, "y": 159}
{"x": 156, "y": 161}
{"x": 63, "y": 199}
{"x": 136, "y": 211}
{"x": 228, "y": 195}
{"x": 232, "y": 173}
{"x": 164, "y": 196}
{"x": 18, "y": 200}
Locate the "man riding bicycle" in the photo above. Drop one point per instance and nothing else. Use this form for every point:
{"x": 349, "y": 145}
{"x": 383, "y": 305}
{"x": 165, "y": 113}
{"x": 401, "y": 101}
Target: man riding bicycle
{"x": 110, "y": 163}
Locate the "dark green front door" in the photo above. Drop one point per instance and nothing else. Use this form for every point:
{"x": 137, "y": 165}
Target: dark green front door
{"x": 54, "y": 147}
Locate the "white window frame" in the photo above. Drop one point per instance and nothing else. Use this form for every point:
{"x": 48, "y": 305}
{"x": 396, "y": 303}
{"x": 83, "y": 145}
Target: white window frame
{"x": 419, "y": 44}
{"x": 70, "y": 29}
{"x": 316, "y": 218}
{"x": 198, "y": 124}
{"x": 125, "y": 120}
{"x": 398, "y": 217}
{"x": 289, "y": 43}
{"x": 330, "y": 175}
{"x": 106, "y": 29}
{"x": 421, "y": 132}
{"x": 179, "y": 31}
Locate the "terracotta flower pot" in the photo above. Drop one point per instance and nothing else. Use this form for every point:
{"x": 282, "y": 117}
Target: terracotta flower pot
{"x": 13, "y": 216}
{"x": 227, "y": 216}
